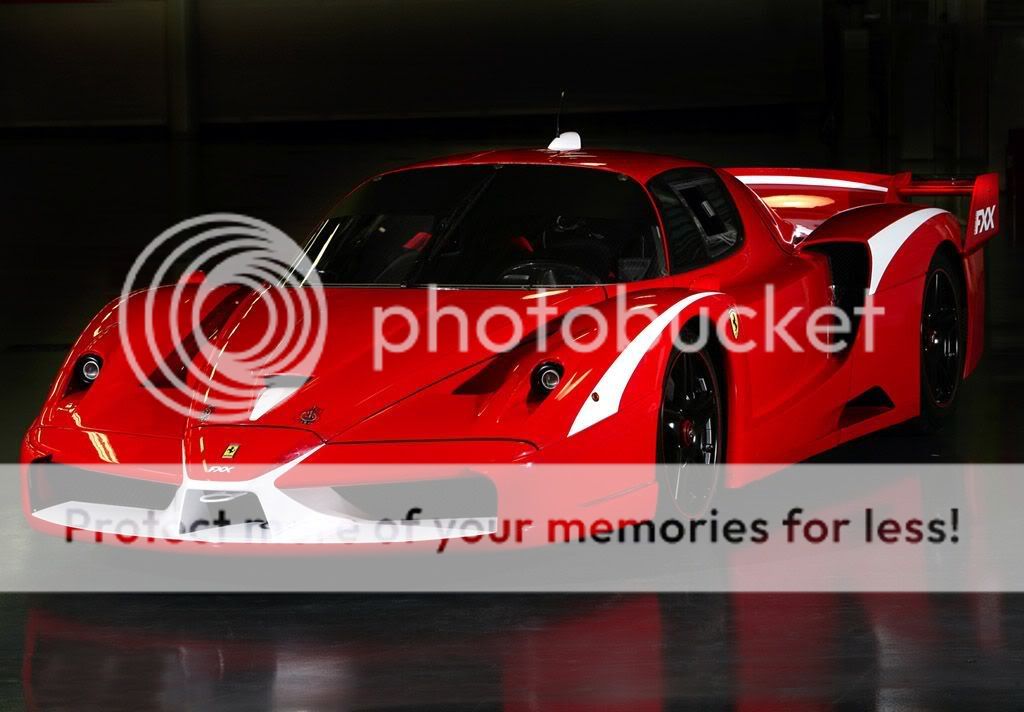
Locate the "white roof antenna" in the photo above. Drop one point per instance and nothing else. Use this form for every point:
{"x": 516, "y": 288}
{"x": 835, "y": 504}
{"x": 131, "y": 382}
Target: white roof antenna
{"x": 568, "y": 141}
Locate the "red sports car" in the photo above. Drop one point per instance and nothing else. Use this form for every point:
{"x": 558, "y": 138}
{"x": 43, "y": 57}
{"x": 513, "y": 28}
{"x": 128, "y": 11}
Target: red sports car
{"x": 583, "y": 306}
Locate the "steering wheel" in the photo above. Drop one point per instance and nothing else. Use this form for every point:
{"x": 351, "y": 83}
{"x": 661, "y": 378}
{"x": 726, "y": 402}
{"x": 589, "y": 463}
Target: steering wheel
{"x": 548, "y": 273}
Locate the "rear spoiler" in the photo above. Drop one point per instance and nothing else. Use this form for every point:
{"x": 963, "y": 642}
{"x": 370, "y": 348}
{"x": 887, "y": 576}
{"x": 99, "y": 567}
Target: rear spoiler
{"x": 983, "y": 218}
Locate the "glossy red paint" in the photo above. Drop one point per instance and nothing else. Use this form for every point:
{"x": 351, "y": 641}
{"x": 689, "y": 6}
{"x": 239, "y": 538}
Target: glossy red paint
{"x": 474, "y": 406}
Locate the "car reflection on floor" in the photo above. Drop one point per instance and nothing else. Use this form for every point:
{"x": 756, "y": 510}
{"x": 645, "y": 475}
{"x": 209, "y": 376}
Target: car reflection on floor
{"x": 614, "y": 652}
{"x": 249, "y": 652}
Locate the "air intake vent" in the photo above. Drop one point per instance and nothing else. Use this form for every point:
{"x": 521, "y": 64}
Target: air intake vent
{"x": 869, "y": 404}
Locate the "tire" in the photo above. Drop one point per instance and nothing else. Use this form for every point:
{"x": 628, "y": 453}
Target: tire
{"x": 691, "y": 432}
{"x": 943, "y": 343}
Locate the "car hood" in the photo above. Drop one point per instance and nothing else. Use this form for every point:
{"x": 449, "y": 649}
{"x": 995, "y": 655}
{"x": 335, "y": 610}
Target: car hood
{"x": 371, "y": 358}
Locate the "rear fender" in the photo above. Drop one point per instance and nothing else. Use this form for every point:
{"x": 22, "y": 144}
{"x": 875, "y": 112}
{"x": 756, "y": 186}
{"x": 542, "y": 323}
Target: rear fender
{"x": 900, "y": 239}
{"x": 982, "y": 224}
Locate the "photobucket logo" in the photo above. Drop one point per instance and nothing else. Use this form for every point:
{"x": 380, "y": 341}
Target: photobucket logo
{"x": 768, "y": 326}
{"x": 248, "y": 313}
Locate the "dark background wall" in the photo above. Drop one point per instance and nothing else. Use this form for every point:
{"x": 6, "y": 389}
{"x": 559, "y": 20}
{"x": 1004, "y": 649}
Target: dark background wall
{"x": 119, "y": 118}
{"x": 272, "y": 60}
{"x": 922, "y": 84}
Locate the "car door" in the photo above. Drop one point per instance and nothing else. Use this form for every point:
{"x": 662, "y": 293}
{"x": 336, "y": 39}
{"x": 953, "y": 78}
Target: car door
{"x": 796, "y": 389}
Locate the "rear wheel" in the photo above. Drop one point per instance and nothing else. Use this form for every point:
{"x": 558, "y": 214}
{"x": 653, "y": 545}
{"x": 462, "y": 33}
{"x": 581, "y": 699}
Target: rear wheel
{"x": 691, "y": 435}
{"x": 943, "y": 343}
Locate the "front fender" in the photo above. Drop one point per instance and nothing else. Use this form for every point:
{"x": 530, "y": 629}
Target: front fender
{"x": 117, "y": 401}
{"x": 605, "y": 407}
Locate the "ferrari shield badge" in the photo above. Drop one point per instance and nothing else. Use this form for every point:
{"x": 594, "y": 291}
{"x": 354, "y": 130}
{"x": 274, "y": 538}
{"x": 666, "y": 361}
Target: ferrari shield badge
{"x": 734, "y": 322}
{"x": 229, "y": 451}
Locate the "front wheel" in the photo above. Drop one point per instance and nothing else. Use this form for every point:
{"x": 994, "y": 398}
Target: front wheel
{"x": 943, "y": 343}
{"x": 691, "y": 434}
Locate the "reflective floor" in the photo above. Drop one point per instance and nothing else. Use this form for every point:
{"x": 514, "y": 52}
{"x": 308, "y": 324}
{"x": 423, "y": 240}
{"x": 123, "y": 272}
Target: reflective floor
{"x": 631, "y": 652}
{"x": 77, "y": 215}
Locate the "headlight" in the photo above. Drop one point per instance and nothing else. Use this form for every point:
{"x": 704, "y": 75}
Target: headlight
{"x": 87, "y": 369}
{"x": 546, "y": 377}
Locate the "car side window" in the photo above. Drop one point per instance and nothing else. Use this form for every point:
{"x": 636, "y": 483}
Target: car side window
{"x": 699, "y": 215}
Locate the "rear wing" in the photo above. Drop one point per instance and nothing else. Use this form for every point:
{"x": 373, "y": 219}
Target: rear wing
{"x": 806, "y": 197}
{"x": 983, "y": 216}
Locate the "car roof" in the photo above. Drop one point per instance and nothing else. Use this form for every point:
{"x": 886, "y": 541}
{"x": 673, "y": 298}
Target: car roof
{"x": 639, "y": 166}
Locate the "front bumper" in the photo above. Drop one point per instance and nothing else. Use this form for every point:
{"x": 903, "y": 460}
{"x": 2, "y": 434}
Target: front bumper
{"x": 256, "y": 511}
{"x": 472, "y": 491}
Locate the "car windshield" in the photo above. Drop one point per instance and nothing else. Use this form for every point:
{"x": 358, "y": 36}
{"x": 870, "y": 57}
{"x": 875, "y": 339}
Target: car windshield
{"x": 490, "y": 226}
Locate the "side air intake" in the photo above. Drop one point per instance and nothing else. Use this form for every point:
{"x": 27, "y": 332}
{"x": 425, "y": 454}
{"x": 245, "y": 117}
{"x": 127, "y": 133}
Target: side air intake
{"x": 869, "y": 404}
